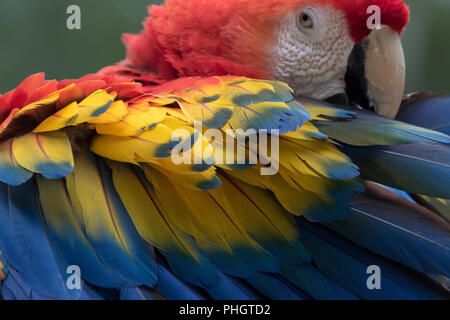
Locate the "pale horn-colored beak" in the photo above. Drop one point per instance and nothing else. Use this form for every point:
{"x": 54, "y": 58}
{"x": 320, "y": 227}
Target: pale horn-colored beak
{"x": 385, "y": 71}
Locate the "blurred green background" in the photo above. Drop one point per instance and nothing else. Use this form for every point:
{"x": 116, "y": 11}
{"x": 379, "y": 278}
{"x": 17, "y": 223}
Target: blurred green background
{"x": 34, "y": 38}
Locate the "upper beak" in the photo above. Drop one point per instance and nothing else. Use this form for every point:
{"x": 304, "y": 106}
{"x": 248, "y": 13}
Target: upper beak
{"x": 378, "y": 64}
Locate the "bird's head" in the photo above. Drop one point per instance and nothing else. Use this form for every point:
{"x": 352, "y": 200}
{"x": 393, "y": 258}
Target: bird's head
{"x": 322, "y": 48}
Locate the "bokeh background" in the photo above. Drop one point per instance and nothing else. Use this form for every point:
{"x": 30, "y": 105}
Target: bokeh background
{"x": 34, "y": 38}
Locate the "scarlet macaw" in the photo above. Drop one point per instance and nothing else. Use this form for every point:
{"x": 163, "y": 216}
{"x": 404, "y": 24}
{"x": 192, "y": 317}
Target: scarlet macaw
{"x": 88, "y": 177}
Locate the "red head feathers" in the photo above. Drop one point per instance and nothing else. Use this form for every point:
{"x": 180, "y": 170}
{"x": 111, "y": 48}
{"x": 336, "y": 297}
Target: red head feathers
{"x": 217, "y": 37}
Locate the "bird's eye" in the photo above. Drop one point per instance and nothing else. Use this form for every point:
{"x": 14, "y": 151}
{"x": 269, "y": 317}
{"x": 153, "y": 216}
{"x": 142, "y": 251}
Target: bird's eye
{"x": 305, "y": 21}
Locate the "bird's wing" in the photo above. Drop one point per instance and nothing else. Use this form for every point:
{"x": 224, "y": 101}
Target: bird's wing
{"x": 88, "y": 180}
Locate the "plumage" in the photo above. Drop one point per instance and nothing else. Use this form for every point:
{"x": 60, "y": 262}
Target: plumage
{"x": 312, "y": 281}
{"x": 147, "y": 146}
{"x": 66, "y": 230}
{"x": 418, "y": 241}
{"x": 11, "y": 172}
{"x": 362, "y": 128}
{"x": 349, "y": 264}
{"x": 47, "y": 153}
{"x": 194, "y": 29}
{"x": 429, "y": 111}
{"x": 146, "y": 212}
{"x": 426, "y": 110}
{"x": 392, "y": 166}
{"x": 59, "y": 119}
{"x": 88, "y": 176}
{"x": 138, "y": 118}
{"x": 387, "y": 151}
{"x": 442, "y": 206}
{"x": 139, "y": 293}
{"x": 2, "y": 268}
{"x": 38, "y": 268}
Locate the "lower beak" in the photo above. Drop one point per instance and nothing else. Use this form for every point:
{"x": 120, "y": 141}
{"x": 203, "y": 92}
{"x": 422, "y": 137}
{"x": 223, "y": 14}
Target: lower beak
{"x": 376, "y": 72}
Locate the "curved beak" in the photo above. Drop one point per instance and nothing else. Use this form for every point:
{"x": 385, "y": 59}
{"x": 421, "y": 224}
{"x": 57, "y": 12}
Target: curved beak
{"x": 378, "y": 64}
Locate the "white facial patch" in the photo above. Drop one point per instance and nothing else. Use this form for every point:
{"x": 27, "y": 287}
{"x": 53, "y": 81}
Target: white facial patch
{"x": 313, "y": 60}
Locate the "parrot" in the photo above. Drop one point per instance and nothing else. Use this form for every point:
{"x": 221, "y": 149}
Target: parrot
{"x": 93, "y": 205}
